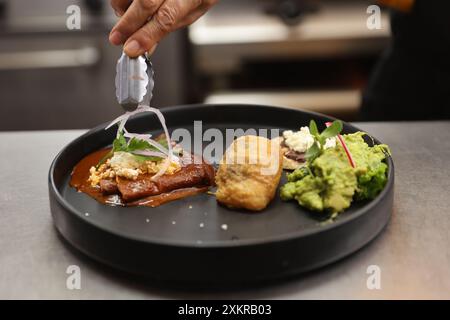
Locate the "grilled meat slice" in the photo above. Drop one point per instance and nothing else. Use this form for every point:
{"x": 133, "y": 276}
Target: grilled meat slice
{"x": 108, "y": 186}
{"x": 192, "y": 175}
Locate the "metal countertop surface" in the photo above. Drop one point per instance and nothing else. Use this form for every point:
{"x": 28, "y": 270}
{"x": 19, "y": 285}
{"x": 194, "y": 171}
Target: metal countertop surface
{"x": 413, "y": 252}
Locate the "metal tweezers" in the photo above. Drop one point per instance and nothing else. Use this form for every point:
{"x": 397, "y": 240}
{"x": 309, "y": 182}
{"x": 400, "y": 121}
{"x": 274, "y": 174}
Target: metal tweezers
{"x": 134, "y": 81}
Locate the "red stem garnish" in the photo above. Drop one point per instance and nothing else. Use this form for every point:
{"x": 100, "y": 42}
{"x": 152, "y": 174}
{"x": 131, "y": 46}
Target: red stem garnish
{"x": 349, "y": 155}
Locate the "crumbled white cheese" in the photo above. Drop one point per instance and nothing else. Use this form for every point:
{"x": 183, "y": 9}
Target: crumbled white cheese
{"x": 131, "y": 174}
{"x": 302, "y": 140}
{"x": 299, "y": 141}
{"x": 330, "y": 143}
{"x": 94, "y": 177}
{"x": 126, "y": 165}
{"x": 123, "y": 160}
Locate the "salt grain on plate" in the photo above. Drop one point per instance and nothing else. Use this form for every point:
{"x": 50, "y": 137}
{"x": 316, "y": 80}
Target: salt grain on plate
{"x": 86, "y": 214}
{"x": 147, "y": 220}
{"x": 174, "y": 222}
{"x": 224, "y": 227}
{"x": 190, "y": 207}
{"x": 202, "y": 225}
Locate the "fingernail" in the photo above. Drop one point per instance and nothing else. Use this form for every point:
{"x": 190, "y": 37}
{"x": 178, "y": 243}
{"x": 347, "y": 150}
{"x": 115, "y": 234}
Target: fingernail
{"x": 132, "y": 48}
{"x": 118, "y": 14}
{"x": 116, "y": 38}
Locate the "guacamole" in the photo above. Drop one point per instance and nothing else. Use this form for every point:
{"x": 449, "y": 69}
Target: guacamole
{"x": 329, "y": 183}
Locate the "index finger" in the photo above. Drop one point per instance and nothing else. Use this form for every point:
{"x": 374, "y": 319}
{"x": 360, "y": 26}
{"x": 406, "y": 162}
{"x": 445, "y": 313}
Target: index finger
{"x": 134, "y": 18}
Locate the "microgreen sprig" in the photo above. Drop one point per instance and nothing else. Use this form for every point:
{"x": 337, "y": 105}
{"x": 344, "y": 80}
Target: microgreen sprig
{"x": 320, "y": 138}
{"x": 131, "y": 146}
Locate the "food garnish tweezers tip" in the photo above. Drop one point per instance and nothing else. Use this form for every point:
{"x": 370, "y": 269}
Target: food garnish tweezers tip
{"x": 134, "y": 81}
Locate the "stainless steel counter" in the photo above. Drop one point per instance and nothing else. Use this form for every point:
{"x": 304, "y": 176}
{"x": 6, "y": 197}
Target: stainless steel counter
{"x": 413, "y": 252}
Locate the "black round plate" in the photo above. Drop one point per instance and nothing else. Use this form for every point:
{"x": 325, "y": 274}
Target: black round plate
{"x": 167, "y": 242}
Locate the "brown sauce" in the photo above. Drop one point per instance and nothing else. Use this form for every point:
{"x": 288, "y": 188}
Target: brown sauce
{"x": 155, "y": 201}
{"x": 80, "y": 176}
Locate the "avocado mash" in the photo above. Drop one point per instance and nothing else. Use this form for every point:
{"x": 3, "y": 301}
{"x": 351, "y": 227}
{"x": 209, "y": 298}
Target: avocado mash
{"x": 329, "y": 183}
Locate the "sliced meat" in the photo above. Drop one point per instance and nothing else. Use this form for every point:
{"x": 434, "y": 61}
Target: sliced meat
{"x": 108, "y": 187}
{"x": 193, "y": 175}
{"x": 190, "y": 176}
{"x": 143, "y": 186}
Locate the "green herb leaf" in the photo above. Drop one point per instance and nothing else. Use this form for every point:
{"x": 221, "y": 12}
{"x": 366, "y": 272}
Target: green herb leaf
{"x": 313, "y": 128}
{"x": 321, "y": 141}
{"x": 104, "y": 158}
{"x": 313, "y": 152}
{"x": 142, "y": 158}
{"x": 332, "y": 131}
{"x": 120, "y": 143}
{"x": 136, "y": 144}
{"x": 320, "y": 138}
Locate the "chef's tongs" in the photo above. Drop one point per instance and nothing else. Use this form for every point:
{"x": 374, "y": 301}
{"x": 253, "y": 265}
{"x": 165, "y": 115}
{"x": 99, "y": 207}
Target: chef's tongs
{"x": 134, "y": 81}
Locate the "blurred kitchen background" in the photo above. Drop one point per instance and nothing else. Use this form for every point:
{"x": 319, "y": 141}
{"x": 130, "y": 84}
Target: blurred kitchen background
{"x": 309, "y": 54}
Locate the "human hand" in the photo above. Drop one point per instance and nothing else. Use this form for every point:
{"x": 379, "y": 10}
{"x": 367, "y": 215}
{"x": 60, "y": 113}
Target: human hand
{"x": 144, "y": 23}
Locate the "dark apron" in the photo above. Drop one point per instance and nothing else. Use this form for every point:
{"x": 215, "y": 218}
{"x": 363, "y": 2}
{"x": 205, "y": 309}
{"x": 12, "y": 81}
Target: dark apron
{"x": 412, "y": 79}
